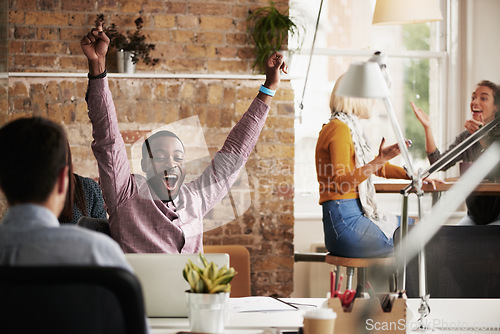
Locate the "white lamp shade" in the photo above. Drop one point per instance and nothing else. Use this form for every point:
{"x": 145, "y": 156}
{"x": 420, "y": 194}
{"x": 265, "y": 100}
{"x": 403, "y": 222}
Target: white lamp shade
{"x": 363, "y": 79}
{"x": 406, "y": 11}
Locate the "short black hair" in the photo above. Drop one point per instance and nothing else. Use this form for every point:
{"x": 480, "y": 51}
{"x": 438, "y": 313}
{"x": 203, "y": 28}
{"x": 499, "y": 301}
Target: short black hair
{"x": 162, "y": 133}
{"x": 33, "y": 151}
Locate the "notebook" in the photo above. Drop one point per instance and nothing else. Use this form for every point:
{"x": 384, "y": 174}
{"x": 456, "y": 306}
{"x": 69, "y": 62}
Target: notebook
{"x": 163, "y": 285}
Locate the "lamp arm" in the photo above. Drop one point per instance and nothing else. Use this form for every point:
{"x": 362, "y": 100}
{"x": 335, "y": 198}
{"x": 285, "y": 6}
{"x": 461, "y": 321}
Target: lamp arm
{"x": 401, "y": 141}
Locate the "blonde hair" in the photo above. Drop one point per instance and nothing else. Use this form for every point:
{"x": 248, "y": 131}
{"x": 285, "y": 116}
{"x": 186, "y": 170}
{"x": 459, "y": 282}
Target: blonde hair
{"x": 349, "y": 105}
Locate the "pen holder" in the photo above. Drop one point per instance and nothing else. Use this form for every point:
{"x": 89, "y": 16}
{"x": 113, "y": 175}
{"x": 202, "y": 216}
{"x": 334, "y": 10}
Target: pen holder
{"x": 367, "y": 316}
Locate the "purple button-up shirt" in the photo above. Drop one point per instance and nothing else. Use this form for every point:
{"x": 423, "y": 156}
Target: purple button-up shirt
{"x": 140, "y": 222}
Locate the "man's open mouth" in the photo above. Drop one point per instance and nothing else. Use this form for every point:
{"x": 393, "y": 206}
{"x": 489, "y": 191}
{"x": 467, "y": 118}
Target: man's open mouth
{"x": 171, "y": 181}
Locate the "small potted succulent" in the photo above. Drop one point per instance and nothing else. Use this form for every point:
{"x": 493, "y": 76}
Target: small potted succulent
{"x": 130, "y": 48}
{"x": 208, "y": 295}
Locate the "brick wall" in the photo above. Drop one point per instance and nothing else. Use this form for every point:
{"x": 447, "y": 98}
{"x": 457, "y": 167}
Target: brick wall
{"x": 191, "y": 37}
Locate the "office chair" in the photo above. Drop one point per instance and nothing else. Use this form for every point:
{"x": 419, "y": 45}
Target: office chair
{"x": 70, "y": 299}
{"x": 239, "y": 259}
{"x": 461, "y": 261}
{"x": 95, "y": 224}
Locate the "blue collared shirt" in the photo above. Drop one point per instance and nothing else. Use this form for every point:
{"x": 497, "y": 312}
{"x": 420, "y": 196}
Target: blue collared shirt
{"x": 31, "y": 235}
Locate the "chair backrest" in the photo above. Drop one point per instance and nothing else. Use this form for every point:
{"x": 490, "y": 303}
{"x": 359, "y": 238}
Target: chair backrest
{"x": 239, "y": 259}
{"x": 70, "y": 299}
{"x": 95, "y": 224}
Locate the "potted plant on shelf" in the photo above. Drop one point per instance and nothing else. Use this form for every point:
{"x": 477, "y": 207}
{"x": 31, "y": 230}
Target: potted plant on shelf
{"x": 208, "y": 295}
{"x": 268, "y": 29}
{"x": 130, "y": 48}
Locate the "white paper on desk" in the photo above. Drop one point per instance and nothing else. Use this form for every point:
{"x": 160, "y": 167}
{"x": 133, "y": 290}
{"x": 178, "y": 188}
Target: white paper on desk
{"x": 258, "y": 304}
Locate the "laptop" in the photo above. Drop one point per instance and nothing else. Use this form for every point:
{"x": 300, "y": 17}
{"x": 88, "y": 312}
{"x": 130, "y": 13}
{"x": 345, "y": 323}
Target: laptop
{"x": 163, "y": 284}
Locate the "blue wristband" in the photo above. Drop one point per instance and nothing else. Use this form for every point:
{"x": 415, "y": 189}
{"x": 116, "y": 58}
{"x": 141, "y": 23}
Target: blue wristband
{"x": 267, "y": 91}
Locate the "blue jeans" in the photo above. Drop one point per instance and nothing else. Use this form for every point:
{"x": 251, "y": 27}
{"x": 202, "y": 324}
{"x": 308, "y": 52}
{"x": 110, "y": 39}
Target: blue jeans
{"x": 349, "y": 233}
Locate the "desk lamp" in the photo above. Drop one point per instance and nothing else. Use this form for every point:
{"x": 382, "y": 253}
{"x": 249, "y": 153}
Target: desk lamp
{"x": 365, "y": 80}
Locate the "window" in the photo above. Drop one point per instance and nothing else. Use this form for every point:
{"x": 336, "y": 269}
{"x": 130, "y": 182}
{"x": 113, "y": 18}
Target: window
{"x": 416, "y": 61}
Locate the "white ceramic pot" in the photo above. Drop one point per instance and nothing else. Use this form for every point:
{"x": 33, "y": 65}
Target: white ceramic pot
{"x": 208, "y": 312}
{"x": 124, "y": 62}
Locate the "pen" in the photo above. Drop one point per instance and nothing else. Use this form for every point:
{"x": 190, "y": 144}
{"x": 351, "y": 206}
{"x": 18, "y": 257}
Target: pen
{"x": 291, "y": 305}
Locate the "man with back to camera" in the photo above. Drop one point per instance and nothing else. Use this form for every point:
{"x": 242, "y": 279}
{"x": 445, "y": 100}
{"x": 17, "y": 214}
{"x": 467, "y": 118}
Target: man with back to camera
{"x": 34, "y": 179}
{"x": 159, "y": 213}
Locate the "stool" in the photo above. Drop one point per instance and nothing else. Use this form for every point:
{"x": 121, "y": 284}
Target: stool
{"x": 360, "y": 263}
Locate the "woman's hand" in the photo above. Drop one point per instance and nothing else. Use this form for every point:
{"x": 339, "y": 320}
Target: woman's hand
{"x": 421, "y": 115}
{"x": 389, "y": 152}
{"x": 474, "y": 124}
{"x": 433, "y": 182}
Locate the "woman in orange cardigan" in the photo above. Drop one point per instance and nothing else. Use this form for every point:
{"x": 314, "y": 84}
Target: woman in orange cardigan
{"x": 352, "y": 224}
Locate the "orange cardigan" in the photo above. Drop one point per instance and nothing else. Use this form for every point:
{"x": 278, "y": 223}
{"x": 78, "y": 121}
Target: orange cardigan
{"x": 335, "y": 164}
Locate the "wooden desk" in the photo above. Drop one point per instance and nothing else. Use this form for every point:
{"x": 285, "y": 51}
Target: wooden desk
{"x": 484, "y": 188}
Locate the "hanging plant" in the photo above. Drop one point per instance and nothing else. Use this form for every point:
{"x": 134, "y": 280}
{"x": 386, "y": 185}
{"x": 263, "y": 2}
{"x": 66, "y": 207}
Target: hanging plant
{"x": 268, "y": 29}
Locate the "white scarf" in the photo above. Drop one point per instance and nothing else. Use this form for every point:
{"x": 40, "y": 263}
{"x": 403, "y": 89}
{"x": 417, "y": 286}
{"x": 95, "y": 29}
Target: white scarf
{"x": 387, "y": 222}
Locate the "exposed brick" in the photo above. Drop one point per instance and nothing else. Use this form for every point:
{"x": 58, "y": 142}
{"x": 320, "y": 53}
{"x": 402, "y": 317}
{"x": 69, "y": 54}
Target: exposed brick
{"x": 24, "y": 32}
{"x": 16, "y": 47}
{"x": 164, "y": 21}
{"x": 49, "y": 5}
{"x": 196, "y": 51}
{"x": 16, "y": 17}
{"x": 48, "y": 33}
{"x": 80, "y": 20}
{"x": 131, "y": 136}
{"x": 187, "y": 22}
{"x": 210, "y": 38}
{"x": 169, "y": 50}
{"x": 215, "y": 93}
{"x": 107, "y": 5}
{"x": 153, "y": 7}
{"x": 131, "y": 6}
{"x": 216, "y": 23}
{"x": 175, "y": 7}
{"x": 74, "y": 63}
{"x": 19, "y": 89}
{"x": 44, "y": 47}
{"x": 183, "y": 36}
{"x": 81, "y": 113}
{"x": 227, "y": 52}
{"x": 228, "y": 66}
{"x": 42, "y": 19}
{"x": 186, "y": 65}
{"x": 68, "y": 113}
{"x": 237, "y": 39}
{"x": 23, "y": 61}
{"x": 54, "y": 112}
{"x": 210, "y": 9}
{"x": 188, "y": 92}
{"x": 77, "y": 5}
{"x": 25, "y": 4}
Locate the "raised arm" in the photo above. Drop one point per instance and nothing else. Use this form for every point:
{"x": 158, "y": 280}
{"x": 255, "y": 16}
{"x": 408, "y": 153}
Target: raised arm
{"x": 108, "y": 146}
{"x": 227, "y": 163}
{"x": 430, "y": 143}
